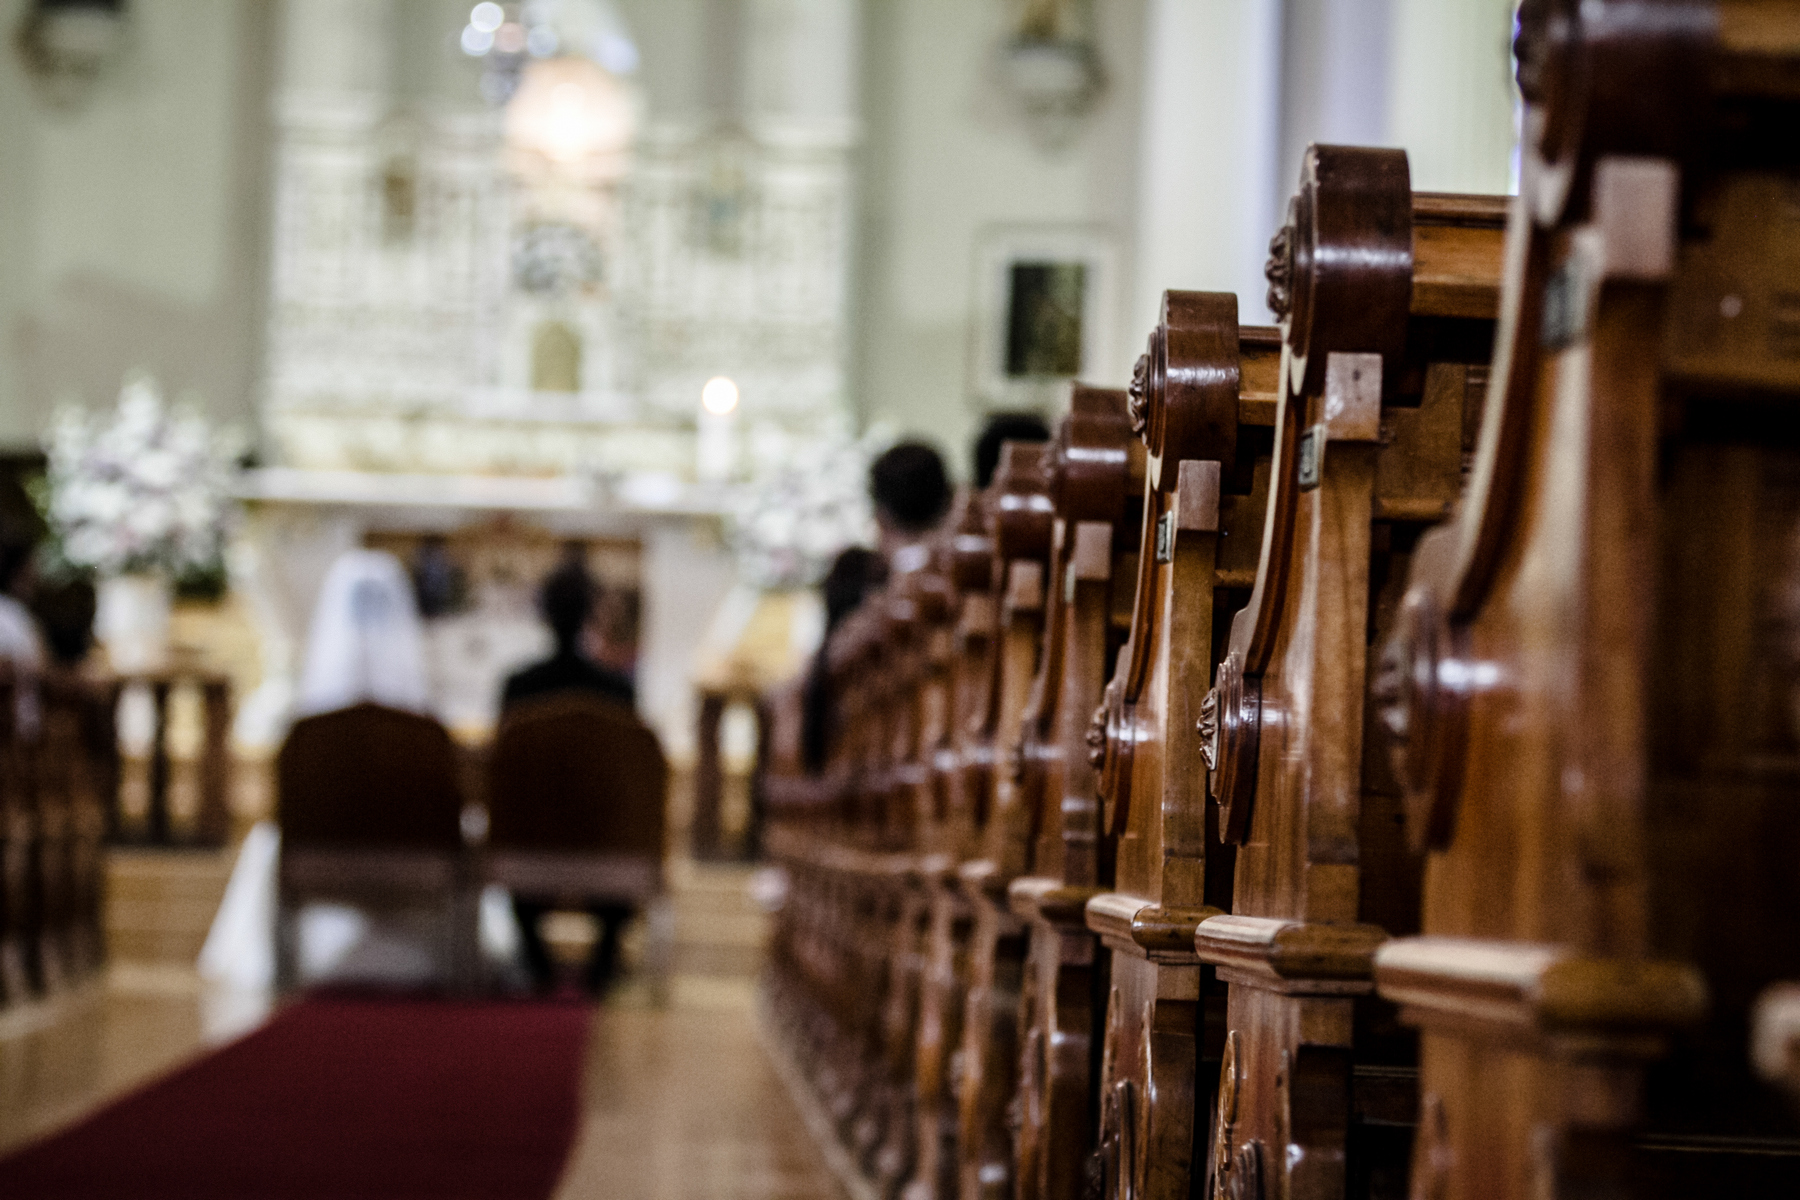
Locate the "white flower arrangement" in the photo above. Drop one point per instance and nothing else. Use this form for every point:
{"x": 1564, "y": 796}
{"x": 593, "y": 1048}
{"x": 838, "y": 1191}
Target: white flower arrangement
{"x": 143, "y": 489}
{"x": 806, "y": 501}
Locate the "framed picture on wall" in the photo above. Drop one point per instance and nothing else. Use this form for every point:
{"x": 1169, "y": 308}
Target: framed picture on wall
{"x": 1044, "y": 306}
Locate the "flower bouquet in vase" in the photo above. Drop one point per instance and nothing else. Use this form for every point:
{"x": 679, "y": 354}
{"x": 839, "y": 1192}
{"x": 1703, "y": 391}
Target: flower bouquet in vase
{"x": 137, "y": 497}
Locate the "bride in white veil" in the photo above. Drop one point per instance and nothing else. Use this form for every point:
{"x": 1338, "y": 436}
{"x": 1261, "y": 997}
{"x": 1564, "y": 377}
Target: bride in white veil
{"x": 366, "y": 642}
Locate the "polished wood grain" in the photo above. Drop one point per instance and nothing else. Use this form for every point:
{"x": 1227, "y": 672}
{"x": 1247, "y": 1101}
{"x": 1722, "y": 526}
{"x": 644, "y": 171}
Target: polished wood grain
{"x": 1322, "y": 874}
{"x": 1591, "y": 733}
{"x": 1202, "y": 518}
{"x": 890, "y": 945}
{"x": 1023, "y": 537}
{"x": 1041, "y": 821}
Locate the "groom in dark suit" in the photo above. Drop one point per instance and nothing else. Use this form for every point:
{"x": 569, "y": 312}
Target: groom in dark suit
{"x": 567, "y": 601}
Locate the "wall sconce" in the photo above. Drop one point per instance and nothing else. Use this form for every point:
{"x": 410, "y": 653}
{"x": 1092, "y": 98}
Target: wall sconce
{"x": 67, "y": 44}
{"x": 1051, "y": 65}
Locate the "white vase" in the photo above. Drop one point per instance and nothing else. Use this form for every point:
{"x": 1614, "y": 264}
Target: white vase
{"x": 131, "y": 619}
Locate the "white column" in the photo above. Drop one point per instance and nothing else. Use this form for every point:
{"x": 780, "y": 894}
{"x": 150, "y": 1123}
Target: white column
{"x": 1207, "y": 189}
{"x": 336, "y": 47}
{"x": 1334, "y": 72}
{"x": 685, "y": 576}
{"x": 800, "y": 69}
{"x": 1451, "y": 95}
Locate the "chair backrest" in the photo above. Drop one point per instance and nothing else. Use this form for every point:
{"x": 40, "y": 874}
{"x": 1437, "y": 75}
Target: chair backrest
{"x": 368, "y": 775}
{"x": 575, "y": 772}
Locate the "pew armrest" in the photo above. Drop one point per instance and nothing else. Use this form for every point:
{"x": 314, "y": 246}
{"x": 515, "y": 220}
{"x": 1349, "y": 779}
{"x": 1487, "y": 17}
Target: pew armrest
{"x": 1548, "y": 997}
{"x": 1292, "y": 957}
{"x": 1146, "y": 929}
{"x": 1039, "y": 898}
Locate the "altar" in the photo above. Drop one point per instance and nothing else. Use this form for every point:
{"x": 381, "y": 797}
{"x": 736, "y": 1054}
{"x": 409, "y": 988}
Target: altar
{"x": 529, "y": 305}
{"x": 659, "y": 543}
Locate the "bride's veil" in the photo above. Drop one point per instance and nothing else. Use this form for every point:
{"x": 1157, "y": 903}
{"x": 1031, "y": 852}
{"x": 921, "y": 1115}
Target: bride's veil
{"x": 366, "y": 642}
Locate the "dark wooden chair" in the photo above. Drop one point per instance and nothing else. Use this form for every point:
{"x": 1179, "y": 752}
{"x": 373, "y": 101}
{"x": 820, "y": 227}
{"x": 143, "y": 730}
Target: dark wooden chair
{"x": 371, "y": 813}
{"x": 577, "y": 811}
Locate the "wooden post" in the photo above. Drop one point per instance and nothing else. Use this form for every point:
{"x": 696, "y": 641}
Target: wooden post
{"x": 213, "y": 827}
{"x": 707, "y": 832}
{"x": 158, "y": 821}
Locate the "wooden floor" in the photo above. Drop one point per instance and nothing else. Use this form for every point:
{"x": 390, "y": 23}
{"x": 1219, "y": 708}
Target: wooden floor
{"x": 682, "y": 1103}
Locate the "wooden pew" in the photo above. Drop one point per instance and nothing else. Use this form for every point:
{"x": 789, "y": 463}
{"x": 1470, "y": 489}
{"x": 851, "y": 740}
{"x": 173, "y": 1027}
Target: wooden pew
{"x": 886, "y": 1132}
{"x": 1097, "y": 491}
{"x": 1592, "y": 680}
{"x": 1203, "y": 399}
{"x": 59, "y": 776}
{"x": 872, "y": 937}
{"x": 1386, "y": 299}
{"x": 961, "y": 665}
{"x": 967, "y": 963}
{"x": 77, "y": 783}
{"x": 871, "y": 919}
{"x": 1089, "y": 477}
{"x": 17, "y": 833}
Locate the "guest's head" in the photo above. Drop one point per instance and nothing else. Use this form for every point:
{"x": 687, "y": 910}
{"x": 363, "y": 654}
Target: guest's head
{"x": 15, "y": 555}
{"x": 854, "y": 573}
{"x": 20, "y": 531}
{"x": 911, "y": 493}
{"x": 566, "y": 601}
{"x": 1004, "y": 427}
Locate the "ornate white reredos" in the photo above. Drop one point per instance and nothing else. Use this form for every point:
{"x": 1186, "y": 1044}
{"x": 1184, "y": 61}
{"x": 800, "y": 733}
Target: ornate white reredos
{"x": 427, "y": 285}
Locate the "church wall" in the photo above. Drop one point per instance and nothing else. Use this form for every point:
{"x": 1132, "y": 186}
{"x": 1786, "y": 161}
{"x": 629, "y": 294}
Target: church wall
{"x": 135, "y": 228}
{"x": 946, "y": 155}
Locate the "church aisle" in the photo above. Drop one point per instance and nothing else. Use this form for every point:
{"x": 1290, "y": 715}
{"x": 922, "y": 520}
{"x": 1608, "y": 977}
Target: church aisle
{"x": 63, "y": 1058}
{"x": 680, "y": 1103}
{"x": 684, "y": 1104}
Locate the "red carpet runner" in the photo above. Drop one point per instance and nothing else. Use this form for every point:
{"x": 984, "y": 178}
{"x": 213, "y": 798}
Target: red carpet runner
{"x": 340, "y": 1099}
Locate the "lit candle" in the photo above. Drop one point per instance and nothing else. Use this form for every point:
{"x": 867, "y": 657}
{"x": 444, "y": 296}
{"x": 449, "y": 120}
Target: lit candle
{"x": 716, "y": 447}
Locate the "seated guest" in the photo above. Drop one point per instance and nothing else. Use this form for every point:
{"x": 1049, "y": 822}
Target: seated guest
{"x": 567, "y": 601}
{"x": 1004, "y": 427}
{"x": 854, "y": 574}
{"x": 911, "y": 492}
{"x": 21, "y": 644}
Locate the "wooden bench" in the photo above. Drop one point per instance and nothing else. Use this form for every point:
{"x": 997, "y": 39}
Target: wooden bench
{"x": 1097, "y": 489}
{"x": 961, "y": 660}
{"x": 1387, "y": 300}
{"x": 59, "y": 773}
{"x": 1592, "y": 677}
{"x": 1203, "y": 397}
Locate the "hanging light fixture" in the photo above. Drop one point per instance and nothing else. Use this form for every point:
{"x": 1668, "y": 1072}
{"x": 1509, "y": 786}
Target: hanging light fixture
{"x": 66, "y": 45}
{"x": 507, "y": 38}
{"x": 1052, "y": 67}
{"x": 570, "y": 111}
